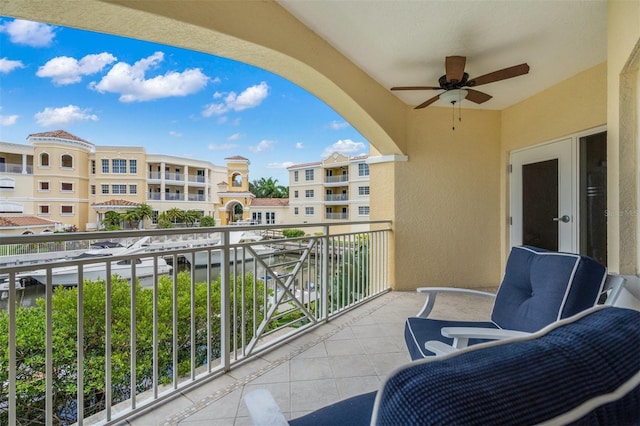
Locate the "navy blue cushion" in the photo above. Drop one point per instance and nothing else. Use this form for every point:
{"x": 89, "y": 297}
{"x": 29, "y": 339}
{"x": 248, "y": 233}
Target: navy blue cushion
{"x": 565, "y": 368}
{"x": 355, "y": 411}
{"x": 540, "y": 287}
{"x": 418, "y": 330}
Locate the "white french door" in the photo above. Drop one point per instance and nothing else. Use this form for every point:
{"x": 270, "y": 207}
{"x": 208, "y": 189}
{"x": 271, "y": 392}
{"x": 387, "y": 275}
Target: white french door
{"x": 543, "y": 197}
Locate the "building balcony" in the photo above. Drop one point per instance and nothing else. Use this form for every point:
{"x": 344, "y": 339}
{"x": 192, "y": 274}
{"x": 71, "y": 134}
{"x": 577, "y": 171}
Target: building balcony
{"x": 336, "y": 197}
{"x": 197, "y": 197}
{"x": 268, "y": 310}
{"x": 15, "y": 168}
{"x": 196, "y": 179}
{"x": 169, "y": 196}
{"x": 336, "y": 216}
{"x": 154, "y": 196}
{"x": 336, "y": 180}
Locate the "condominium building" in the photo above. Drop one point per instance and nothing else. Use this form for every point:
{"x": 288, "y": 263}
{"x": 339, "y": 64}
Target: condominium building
{"x": 60, "y": 180}
{"x": 336, "y": 188}
{"x": 69, "y": 181}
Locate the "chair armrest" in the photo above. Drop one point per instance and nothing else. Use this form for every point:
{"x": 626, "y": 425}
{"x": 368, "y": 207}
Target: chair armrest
{"x": 438, "y": 347}
{"x": 263, "y": 409}
{"x": 461, "y": 335}
{"x": 432, "y": 292}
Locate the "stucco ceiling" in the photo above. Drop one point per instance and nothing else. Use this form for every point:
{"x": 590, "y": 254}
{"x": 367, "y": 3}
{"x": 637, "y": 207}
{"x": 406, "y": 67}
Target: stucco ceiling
{"x": 404, "y": 43}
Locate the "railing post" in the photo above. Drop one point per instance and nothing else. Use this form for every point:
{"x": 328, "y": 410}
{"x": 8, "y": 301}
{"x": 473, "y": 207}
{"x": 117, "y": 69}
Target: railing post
{"x": 225, "y": 297}
{"x": 325, "y": 274}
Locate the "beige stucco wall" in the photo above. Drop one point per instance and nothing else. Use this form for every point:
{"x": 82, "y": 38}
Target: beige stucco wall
{"x": 623, "y": 86}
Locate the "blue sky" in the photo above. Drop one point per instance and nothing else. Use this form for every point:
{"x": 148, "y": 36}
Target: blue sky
{"x": 119, "y": 91}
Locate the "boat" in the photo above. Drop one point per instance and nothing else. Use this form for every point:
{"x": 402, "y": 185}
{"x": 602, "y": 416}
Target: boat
{"x": 68, "y": 275}
{"x": 4, "y": 287}
{"x": 238, "y": 254}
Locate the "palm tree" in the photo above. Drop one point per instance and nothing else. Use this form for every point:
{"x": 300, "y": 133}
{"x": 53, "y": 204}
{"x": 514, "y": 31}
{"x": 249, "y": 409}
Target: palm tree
{"x": 191, "y": 216}
{"x": 173, "y": 215}
{"x": 131, "y": 216}
{"x": 144, "y": 211}
{"x": 268, "y": 188}
{"x": 112, "y": 218}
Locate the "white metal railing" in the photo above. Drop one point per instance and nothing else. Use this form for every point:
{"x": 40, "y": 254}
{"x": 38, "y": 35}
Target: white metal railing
{"x": 337, "y": 216}
{"x": 96, "y": 349}
{"x": 16, "y": 168}
{"x": 336, "y": 179}
{"x": 336, "y": 197}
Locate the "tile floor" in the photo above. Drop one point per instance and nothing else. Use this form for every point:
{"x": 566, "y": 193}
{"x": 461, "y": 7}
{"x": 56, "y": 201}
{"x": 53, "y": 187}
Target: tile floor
{"x": 345, "y": 357}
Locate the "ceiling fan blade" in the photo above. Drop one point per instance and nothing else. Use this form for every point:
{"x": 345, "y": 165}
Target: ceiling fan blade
{"x": 428, "y": 102}
{"x": 416, "y": 88}
{"x": 477, "y": 97}
{"x": 502, "y": 74}
{"x": 454, "y": 66}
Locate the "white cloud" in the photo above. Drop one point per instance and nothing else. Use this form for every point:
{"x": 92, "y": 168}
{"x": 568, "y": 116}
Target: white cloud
{"x": 299, "y": 145}
{"x": 264, "y": 145}
{"x": 7, "y": 65}
{"x": 175, "y": 134}
{"x": 63, "y": 115}
{"x": 234, "y": 137}
{"x": 251, "y": 97}
{"x": 8, "y": 120}
{"x": 29, "y": 33}
{"x": 222, "y": 147}
{"x": 130, "y": 82}
{"x": 337, "y": 125}
{"x": 280, "y": 165}
{"x": 64, "y": 70}
{"x": 346, "y": 146}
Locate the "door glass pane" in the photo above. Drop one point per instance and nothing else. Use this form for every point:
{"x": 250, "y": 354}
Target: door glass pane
{"x": 593, "y": 196}
{"x": 540, "y": 204}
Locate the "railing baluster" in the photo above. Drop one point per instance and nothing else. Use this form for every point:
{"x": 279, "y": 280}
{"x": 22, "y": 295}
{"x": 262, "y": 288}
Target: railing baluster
{"x": 107, "y": 342}
{"x": 154, "y": 330}
{"x": 193, "y": 315}
{"x": 49, "y": 350}
{"x": 133, "y": 335}
{"x": 12, "y": 348}
{"x": 80, "y": 349}
{"x": 174, "y": 322}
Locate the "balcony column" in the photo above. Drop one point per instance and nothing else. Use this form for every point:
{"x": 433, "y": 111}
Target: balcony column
{"x": 24, "y": 164}
{"x": 162, "y": 180}
{"x": 185, "y": 173}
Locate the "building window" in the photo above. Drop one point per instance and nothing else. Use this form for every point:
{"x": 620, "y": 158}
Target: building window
{"x": 118, "y": 166}
{"x": 66, "y": 186}
{"x": 105, "y": 165}
{"x": 133, "y": 189}
{"x": 363, "y": 210}
{"x": 271, "y": 218}
{"x": 93, "y": 167}
{"x": 118, "y": 189}
{"x": 363, "y": 169}
{"x": 44, "y": 159}
{"x": 256, "y": 217}
{"x": 295, "y": 194}
{"x": 295, "y": 211}
{"x": 308, "y": 211}
{"x": 308, "y": 193}
{"x": 93, "y": 190}
{"x": 43, "y": 185}
{"x": 66, "y": 161}
{"x": 295, "y": 176}
{"x": 66, "y": 210}
{"x": 363, "y": 190}
{"x": 43, "y": 209}
{"x": 308, "y": 174}
{"x": 154, "y": 217}
{"x": 105, "y": 188}
{"x": 133, "y": 166}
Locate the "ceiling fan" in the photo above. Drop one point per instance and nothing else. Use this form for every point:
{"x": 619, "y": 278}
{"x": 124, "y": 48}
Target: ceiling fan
{"x": 456, "y": 83}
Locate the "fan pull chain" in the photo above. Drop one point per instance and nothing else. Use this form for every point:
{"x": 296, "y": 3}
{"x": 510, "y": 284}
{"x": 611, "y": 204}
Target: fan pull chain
{"x": 453, "y": 116}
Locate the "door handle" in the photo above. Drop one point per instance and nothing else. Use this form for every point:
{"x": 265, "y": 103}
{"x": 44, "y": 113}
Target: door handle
{"x": 564, "y": 219}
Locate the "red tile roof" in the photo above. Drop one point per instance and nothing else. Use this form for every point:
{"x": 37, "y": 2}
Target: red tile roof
{"x": 270, "y": 202}
{"x": 117, "y": 203}
{"x": 12, "y": 221}
{"x": 237, "y": 157}
{"x": 60, "y": 134}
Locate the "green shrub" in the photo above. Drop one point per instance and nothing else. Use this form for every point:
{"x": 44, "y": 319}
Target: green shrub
{"x": 293, "y": 233}
{"x": 207, "y": 221}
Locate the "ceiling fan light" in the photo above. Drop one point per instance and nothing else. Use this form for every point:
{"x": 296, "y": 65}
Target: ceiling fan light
{"x": 454, "y": 95}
